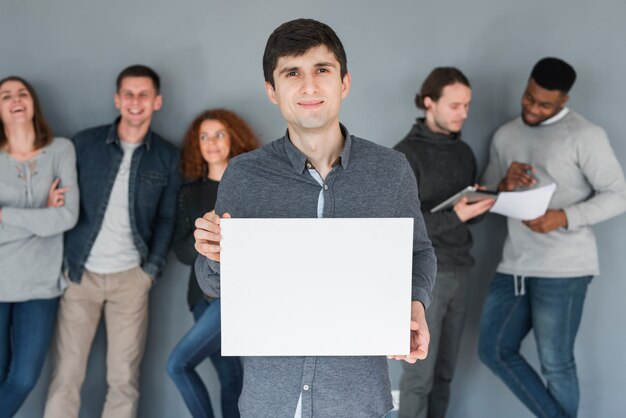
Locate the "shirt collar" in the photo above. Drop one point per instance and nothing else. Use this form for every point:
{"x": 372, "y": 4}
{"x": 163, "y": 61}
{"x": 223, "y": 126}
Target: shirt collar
{"x": 556, "y": 118}
{"x": 113, "y": 136}
{"x": 299, "y": 160}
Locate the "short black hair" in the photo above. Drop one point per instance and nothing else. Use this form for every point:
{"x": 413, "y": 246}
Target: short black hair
{"x": 554, "y": 74}
{"x": 139, "y": 70}
{"x": 434, "y": 84}
{"x": 295, "y": 38}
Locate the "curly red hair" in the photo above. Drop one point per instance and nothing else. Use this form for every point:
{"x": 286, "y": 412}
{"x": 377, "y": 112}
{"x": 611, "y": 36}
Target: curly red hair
{"x": 242, "y": 139}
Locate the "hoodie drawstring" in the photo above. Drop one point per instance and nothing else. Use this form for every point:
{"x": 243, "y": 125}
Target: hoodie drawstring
{"x": 519, "y": 285}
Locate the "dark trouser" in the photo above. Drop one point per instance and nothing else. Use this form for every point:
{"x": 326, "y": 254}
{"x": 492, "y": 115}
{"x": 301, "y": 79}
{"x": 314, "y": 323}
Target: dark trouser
{"x": 425, "y": 385}
{"x": 25, "y": 333}
{"x": 552, "y": 308}
{"x": 204, "y": 340}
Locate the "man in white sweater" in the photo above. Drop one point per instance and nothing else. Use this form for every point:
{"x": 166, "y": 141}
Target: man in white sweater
{"x": 548, "y": 262}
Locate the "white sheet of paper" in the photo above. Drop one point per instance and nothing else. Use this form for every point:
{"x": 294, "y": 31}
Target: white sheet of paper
{"x": 525, "y": 205}
{"x": 316, "y": 286}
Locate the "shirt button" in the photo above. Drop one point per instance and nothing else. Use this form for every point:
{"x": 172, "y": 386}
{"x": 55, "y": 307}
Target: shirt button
{"x": 308, "y": 165}
{"x": 305, "y": 387}
{"x": 326, "y": 187}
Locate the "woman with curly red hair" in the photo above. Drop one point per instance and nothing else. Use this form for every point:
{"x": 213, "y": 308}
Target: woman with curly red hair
{"x": 213, "y": 138}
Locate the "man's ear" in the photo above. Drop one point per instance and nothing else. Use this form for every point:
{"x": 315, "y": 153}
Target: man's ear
{"x": 345, "y": 86}
{"x": 271, "y": 93}
{"x": 428, "y": 102}
{"x": 158, "y": 102}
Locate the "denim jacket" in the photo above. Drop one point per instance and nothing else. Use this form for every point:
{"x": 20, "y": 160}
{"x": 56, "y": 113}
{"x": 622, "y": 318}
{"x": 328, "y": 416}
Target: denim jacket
{"x": 153, "y": 187}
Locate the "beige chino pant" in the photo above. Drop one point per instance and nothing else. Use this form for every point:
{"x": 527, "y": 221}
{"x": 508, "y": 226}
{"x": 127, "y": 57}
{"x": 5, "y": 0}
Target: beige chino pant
{"x": 124, "y": 297}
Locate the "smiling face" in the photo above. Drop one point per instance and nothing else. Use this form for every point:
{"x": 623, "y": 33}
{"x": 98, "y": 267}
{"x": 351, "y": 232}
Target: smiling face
{"x": 308, "y": 89}
{"x": 447, "y": 114}
{"x": 539, "y": 104}
{"x": 214, "y": 141}
{"x": 137, "y": 99}
{"x": 16, "y": 103}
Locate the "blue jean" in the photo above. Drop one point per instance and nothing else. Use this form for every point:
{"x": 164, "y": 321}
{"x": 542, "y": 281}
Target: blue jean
{"x": 553, "y": 309}
{"x": 25, "y": 332}
{"x": 202, "y": 341}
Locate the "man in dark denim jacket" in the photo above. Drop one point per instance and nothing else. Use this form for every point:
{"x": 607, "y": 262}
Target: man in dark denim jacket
{"x": 128, "y": 177}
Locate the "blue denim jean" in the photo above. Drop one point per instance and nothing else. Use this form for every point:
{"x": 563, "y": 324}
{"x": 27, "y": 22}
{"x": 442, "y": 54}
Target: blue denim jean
{"x": 25, "y": 333}
{"x": 204, "y": 340}
{"x": 552, "y": 308}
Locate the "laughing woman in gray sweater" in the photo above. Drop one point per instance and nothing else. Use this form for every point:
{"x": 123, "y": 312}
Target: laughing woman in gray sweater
{"x": 38, "y": 202}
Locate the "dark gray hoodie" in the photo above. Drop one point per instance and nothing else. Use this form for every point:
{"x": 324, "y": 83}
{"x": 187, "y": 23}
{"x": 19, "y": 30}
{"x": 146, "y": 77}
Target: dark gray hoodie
{"x": 443, "y": 165}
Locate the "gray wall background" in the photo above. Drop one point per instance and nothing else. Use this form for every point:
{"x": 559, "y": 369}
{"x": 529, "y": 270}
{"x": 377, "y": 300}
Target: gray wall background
{"x": 209, "y": 54}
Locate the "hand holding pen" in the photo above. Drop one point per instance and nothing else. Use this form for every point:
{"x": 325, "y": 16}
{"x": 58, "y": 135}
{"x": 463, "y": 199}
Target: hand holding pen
{"x": 518, "y": 175}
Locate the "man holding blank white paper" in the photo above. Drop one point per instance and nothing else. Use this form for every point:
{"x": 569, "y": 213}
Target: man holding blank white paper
{"x": 317, "y": 170}
{"x": 547, "y": 262}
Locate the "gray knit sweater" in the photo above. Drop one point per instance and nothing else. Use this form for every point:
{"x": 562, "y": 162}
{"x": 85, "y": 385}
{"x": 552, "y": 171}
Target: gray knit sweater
{"x": 576, "y": 155}
{"x": 31, "y": 234}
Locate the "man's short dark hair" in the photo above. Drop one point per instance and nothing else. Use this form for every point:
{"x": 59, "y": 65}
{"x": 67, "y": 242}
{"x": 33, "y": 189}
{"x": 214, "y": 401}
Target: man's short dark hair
{"x": 139, "y": 70}
{"x": 554, "y": 74}
{"x": 434, "y": 84}
{"x": 295, "y": 38}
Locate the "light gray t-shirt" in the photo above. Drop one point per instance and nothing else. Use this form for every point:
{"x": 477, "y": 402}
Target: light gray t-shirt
{"x": 114, "y": 249}
{"x": 31, "y": 234}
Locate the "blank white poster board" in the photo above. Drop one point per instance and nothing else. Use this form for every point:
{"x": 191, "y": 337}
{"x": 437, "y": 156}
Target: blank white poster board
{"x": 316, "y": 287}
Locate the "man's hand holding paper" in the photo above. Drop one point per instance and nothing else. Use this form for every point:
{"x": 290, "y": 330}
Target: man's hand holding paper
{"x": 420, "y": 336}
{"x": 551, "y": 220}
{"x": 207, "y": 235}
{"x": 528, "y": 205}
